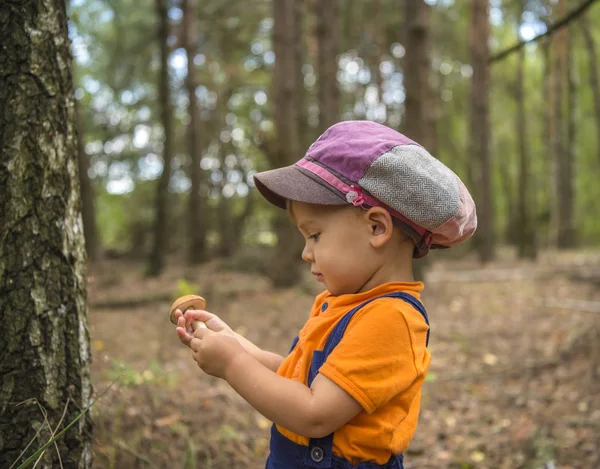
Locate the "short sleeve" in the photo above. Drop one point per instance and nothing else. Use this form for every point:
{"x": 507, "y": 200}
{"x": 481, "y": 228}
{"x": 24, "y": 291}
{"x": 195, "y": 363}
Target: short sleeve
{"x": 381, "y": 353}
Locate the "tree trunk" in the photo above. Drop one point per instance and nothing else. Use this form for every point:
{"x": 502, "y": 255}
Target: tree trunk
{"x": 568, "y": 189}
{"x": 548, "y": 136}
{"x": 563, "y": 223}
{"x": 285, "y": 266}
{"x": 159, "y": 249}
{"x": 328, "y": 37}
{"x": 480, "y": 125}
{"x": 196, "y": 208}
{"x": 418, "y": 115}
{"x": 377, "y": 32}
{"x": 593, "y": 76}
{"x": 44, "y": 345}
{"x": 526, "y": 242}
{"x": 417, "y": 112}
{"x": 87, "y": 192}
{"x": 506, "y": 180}
{"x": 225, "y": 215}
{"x": 225, "y": 220}
{"x": 240, "y": 220}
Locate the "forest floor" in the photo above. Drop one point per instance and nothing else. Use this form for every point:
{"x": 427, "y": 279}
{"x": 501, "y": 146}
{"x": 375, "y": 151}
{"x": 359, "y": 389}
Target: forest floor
{"x": 514, "y": 380}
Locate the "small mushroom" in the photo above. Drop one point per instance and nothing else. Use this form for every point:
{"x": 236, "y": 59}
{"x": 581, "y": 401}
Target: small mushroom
{"x": 184, "y": 303}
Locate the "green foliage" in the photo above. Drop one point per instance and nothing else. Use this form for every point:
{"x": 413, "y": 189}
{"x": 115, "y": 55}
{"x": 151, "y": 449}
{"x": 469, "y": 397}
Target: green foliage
{"x": 227, "y": 432}
{"x": 185, "y": 288}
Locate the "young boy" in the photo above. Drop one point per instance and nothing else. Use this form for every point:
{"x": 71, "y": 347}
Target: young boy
{"x": 367, "y": 201}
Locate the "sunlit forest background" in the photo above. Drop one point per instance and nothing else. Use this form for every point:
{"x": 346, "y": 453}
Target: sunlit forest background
{"x": 184, "y": 102}
{"x": 180, "y": 102}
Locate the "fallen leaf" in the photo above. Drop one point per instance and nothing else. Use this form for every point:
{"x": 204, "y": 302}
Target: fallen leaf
{"x": 168, "y": 420}
{"x": 262, "y": 422}
{"x": 490, "y": 359}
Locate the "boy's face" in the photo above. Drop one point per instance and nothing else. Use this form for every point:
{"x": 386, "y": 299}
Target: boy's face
{"x": 337, "y": 245}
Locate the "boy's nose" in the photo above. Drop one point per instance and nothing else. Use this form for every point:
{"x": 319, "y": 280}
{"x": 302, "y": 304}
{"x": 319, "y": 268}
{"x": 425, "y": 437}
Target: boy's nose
{"x": 307, "y": 254}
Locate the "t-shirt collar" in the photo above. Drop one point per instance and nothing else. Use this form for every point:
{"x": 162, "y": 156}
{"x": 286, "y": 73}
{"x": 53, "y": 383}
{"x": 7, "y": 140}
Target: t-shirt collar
{"x": 354, "y": 299}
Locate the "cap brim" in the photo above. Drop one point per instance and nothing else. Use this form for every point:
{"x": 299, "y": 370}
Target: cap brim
{"x": 295, "y": 183}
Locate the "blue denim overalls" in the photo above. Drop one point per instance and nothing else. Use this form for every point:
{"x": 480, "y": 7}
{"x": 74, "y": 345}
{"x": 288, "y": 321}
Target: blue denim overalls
{"x": 285, "y": 454}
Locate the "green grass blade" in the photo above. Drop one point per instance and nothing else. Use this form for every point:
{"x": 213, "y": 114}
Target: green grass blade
{"x": 35, "y": 455}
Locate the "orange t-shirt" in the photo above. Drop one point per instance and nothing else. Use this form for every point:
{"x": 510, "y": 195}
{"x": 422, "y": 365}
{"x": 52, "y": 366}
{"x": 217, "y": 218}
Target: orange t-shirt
{"x": 381, "y": 362}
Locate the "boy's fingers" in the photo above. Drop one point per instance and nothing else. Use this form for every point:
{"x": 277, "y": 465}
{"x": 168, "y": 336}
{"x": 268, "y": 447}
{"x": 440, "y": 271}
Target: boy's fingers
{"x": 199, "y": 315}
{"x": 184, "y": 337}
{"x": 212, "y": 321}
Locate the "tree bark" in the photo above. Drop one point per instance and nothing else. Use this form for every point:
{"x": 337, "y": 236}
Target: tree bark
{"x": 570, "y": 156}
{"x": 480, "y": 125}
{"x": 593, "y": 76}
{"x": 225, "y": 220}
{"x": 328, "y": 37}
{"x": 44, "y": 345}
{"x": 87, "y": 192}
{"x": 240, "y": 220}
{"x": 548, "y": 133}
{"x": 506, "y": 180}
{"x": 419, "y": 124}
{"x": 159, "y": 249}
{"x": 196, "y": 207}
{"x": 418, "y": 116}
{"x": 285, "y": 266}
{"x": 563, "y": 220}
{"x": 526, "y": 241}
{"x": 225, "y": 216}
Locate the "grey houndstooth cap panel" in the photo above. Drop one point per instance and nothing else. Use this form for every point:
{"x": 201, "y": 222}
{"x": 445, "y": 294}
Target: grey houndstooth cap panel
{"x": 411, "y": 181}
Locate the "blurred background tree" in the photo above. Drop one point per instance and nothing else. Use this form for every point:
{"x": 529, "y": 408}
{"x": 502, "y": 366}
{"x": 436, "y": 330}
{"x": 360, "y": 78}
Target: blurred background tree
{"x": 180, "y": 102}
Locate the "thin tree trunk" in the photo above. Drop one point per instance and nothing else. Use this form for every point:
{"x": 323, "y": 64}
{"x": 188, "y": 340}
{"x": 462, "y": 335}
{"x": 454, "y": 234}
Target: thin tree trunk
{"x": 509, "y": 195}
{"x": 87, "y": 192}
{"x": 377, "y": 32}
{"x": 196, "y": 208}
{"x": 328, "y": 37}
{"x": 44, "y": 344}
{"x": 418, "y": 116}
{"x": 564, "y": 183}
{"x": 570, "y": 154}
{"x": 225, "y": 213}
{"x": 593, "y": 76}
{"x": 225, "y": 216}
{"x": 159, "y": 249}
{"x": 548, "y": 192}
{"x": 240, "y": 220}
{"x": 526, "y": 243}
{"x": 480, "y": 126}
{"x": 417, "y": 112}
{"x": 285, "y": 266}
{"x": 306, "y": 135}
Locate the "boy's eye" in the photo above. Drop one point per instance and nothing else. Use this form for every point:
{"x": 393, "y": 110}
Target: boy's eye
{"x": 314, "y": 236}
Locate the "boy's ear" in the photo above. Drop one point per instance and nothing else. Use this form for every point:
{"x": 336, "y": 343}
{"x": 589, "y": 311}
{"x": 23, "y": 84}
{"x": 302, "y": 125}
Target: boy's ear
{"x": 380, "y": 225}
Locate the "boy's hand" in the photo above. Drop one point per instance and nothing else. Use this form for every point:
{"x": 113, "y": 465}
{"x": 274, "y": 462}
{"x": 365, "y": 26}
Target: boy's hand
{"x": 215, "y": 324}
{"x": 214, "y": 352}
{"x": 212, "y": 322}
